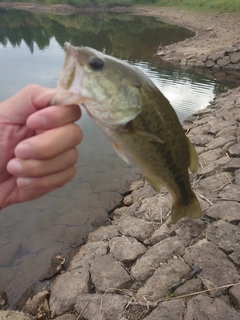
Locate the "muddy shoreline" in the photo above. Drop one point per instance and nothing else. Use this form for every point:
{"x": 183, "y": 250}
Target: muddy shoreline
{"x": 137, "y": 266}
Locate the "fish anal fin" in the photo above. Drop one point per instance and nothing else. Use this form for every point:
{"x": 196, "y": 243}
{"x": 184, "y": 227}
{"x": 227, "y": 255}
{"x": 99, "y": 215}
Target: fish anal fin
{"x": 191, "y": 210}
{"x": 120, "y": 152}
{"x": 155, "y": 184}
{"x": 193, "y": 166}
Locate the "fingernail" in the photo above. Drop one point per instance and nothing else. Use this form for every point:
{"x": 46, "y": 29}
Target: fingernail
{"x": 23, "y": 151}
{"x": 14, "y": 167}
{"x": 23, "y": 182}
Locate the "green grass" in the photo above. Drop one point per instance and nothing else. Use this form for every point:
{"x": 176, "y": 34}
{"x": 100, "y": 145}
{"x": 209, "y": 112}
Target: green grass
{"x": 206, "y": 5}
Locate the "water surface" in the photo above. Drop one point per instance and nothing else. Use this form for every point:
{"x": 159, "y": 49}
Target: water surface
{"x": 31, "y": 51}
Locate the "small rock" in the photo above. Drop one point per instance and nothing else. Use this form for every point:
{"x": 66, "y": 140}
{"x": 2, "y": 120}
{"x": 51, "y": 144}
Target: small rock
{"x": 137, "y": 228}
{"x": 101, "y": 306}
{"x": 225, "y": 235}
{"x": 143, "y": 193}
{"x": 87, "y": 254}
{"x": 128, "y": 200}
{"x": 219, "y": 142}
{"x": 190, "y": 286}
{"x": 107, "y": 272}
{"x": 200, "y": 140}
{"x": 136, "y": 185}
{"x": 110, "y": 199}
{"x": 229, "y": 131}
{"x": 199, "y": 64}
{"x": 234, "y": 293}
{"x": 213, "y": 263}
{"x": 235, "y": 57}
{"x": 207, "y": 157}
{"x": 162, "y": 279}
{"x": 66, "y": 288}
{"x": 234, "y": 151}
{"x": 14, "y": 315}
{"x": 227, "y": 210}
{"x": 126, "y": 249}
{"x": 103, "y": 233}
{"x": 237, "y": 177}
{"x": 208, "y": 308}
{"x": 189, "y": 228}
{"x": 230, "y": 192}
{"x": 38, "y": 305}
{"x": 209, "y": 186}
{"x": 168, "y": 310}
{"x": 155, "y": 208}
{"x": 224, "y": 61}
{"x": 157, "y": 254}
{"x": 210, "y": 63}
{"x": 232, "y": 165}
{"x": 3, "y": 299}
{"x": 126, "y": 211}
{"x": 164, "y": 231}
{"x": 216, "y": 68}
{"x": 236, "y": 66}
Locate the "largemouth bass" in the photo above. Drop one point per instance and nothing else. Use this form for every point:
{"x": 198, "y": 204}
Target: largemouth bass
{"x": 136, "y": 117}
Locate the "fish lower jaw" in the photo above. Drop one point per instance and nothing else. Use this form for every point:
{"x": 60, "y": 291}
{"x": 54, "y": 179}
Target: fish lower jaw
{"x": 66, "y": 97}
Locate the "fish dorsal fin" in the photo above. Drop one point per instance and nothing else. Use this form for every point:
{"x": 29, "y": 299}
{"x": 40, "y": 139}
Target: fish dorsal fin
{"x": 120, "y": 152}
{"x": 193, "y": 166}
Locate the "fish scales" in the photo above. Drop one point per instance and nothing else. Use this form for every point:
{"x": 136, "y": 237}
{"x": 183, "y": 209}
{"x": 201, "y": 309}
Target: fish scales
{"x": 136, "y": 117}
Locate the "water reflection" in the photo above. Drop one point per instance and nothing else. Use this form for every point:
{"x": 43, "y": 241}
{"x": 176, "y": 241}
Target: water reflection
{"x": 31, "y": 51}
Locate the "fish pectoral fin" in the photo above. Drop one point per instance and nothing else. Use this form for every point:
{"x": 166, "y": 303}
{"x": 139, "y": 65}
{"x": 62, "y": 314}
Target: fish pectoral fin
{"x": 120, "y": 152}
{"x": 149, "y": 136}
{"x": 193, "y": 166}
{"x": 191, "y": 210}
{"x": 155, "y": 184}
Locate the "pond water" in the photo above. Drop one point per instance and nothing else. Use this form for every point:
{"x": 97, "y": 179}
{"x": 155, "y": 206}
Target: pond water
{"x": 31, "y": 51}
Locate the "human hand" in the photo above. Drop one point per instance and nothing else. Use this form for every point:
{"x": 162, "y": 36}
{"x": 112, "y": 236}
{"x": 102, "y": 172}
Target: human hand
{"x": 37, "y": 145}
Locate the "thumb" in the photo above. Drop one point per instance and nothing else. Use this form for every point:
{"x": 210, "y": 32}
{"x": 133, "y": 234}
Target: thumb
{"x": 19, "y": 107}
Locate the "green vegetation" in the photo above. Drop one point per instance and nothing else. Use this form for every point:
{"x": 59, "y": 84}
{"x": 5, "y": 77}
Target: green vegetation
{"x": 215, "y": 5}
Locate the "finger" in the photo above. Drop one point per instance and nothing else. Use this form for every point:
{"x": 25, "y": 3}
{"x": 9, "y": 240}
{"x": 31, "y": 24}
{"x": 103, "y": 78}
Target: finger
{"x": 50, "y": 143}
{"x": 53, "y": 117}
{"x": 27, "y": 101}
{"x": 53, "y": 181}
{"x": 41, "y": 168}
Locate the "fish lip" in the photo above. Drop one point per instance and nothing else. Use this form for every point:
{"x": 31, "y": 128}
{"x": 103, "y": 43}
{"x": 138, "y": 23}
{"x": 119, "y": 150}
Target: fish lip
{"x": 64, "y": 97}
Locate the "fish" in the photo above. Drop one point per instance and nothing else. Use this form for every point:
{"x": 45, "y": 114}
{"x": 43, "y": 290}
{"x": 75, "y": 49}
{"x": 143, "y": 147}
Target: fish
{"x": 136, "y": 117}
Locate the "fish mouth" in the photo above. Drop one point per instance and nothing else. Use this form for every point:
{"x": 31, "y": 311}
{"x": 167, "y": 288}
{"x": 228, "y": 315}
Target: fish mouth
{"x": 69, "y": 85}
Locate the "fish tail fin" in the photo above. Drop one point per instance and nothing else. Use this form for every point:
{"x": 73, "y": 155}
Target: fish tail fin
{"x": 191, "y": 210}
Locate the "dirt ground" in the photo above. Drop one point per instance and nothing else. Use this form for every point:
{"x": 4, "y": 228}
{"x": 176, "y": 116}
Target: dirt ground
{"x": 213, "y": 30}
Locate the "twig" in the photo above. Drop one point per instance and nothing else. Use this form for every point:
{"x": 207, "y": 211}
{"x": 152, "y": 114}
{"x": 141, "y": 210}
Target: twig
{"x": 218, "y": 189}
{"x": 206, "y": 199}
{"x": 155, "y": 303}
{"x": 161, "y": 217}
{"x": 192, "y": 125}
{"x": 80, "y": 314}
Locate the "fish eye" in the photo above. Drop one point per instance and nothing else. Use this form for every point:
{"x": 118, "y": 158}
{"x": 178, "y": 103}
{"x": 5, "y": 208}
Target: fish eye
{"x": 96, "y": 63}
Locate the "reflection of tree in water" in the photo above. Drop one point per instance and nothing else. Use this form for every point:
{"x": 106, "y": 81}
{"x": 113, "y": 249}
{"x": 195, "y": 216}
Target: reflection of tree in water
{"x": 125, "y": 35}
{"x": 17, "y": 26}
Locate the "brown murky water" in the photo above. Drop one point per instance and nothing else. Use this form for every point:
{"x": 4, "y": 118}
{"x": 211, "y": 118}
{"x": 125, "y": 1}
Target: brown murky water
{"x": 31, "y": 51}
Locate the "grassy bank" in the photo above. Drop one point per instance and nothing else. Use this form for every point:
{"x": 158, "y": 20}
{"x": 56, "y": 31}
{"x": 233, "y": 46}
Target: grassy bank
{"x": 214, "y": 5}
